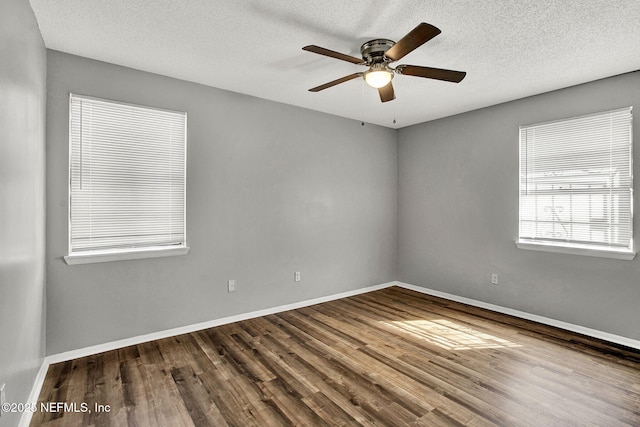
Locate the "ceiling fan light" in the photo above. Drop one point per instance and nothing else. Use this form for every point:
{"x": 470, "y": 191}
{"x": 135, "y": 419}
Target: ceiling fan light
{"x": 378, "y": 78}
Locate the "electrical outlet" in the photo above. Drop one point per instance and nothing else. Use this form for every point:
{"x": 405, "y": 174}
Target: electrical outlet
{"x": 3, "y": 398}
{"x": 296, "y": 276}
{"x": 231, "y": 285}
{"x": 494, "y": 278}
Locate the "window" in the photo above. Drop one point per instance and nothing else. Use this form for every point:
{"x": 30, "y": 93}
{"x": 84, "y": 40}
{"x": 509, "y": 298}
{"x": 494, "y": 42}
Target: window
{"x": 127, "y": 181}
{"x": 576, "y": 191}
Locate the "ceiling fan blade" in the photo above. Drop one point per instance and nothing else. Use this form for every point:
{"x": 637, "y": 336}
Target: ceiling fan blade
{"x": 416, "y": 38}
{"x": 387, "y": 93}
{"x": 431, "y": 73}
{"x": 333, "y": 54}
{"x": 335, "y": 82}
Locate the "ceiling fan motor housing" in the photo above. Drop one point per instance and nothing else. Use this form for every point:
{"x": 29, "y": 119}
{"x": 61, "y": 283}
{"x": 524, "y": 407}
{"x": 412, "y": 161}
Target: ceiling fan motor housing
{"x": 373, "y": 50}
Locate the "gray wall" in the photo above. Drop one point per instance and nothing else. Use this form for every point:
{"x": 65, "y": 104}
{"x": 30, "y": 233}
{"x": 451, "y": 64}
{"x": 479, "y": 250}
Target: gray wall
{"x": 271, "y": 189}
{"x": 22, "y": 210}
{"x": 458, "y": 214}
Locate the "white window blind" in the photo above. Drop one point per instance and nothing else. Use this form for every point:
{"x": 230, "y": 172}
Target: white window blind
{"x": 576, "y": 182}
{"x": 127, "y": 176}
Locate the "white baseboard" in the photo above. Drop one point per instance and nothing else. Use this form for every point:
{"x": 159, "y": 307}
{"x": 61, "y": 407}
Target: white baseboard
{"x": 617, "y": 339}
{"x": 25, "y": 420}
{"x": 100, "y": 348}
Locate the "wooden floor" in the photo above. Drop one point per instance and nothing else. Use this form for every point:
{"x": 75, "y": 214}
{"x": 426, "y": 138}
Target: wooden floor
{"x": 392, "y": 357}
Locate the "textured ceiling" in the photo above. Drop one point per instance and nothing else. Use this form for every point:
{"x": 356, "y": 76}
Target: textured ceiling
{"x": 509, "y": 49}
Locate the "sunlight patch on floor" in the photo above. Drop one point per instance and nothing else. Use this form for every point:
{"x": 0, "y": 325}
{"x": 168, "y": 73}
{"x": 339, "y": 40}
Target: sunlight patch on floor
{"x": 450, "y": 335}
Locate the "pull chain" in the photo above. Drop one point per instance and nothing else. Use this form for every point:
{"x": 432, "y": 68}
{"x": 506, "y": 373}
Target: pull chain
{"x": 362, "y": 104}
{"x": 395, "y": 110}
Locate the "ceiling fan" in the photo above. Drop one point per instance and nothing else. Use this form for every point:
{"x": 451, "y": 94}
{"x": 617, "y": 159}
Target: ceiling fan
{"x": 377, "y": 54}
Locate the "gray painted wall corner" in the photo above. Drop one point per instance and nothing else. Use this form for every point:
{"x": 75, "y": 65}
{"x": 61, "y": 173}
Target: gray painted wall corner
{"x": 22, "y": 206}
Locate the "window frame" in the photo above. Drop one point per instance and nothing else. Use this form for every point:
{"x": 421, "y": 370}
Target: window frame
{"x": 593, "y": 250}
{"x": 128, "y": 253}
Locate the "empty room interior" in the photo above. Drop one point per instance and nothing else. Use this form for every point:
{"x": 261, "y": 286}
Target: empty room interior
{"x": 269, "y": 213}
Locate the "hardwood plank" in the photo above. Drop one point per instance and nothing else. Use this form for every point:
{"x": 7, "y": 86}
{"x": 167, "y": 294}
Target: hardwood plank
{"x": 343, "y": 397}
{"x": 290, "y": 405}
{"x": 112, "y": 391}
{"x": 387, "y": 358}
{"x": 200, "y": 406}
{"x": 134, "y": 391}
{"x": 237, "y": 397}
{"x": 239, "y": 360}
{"x": 165, "y": 405}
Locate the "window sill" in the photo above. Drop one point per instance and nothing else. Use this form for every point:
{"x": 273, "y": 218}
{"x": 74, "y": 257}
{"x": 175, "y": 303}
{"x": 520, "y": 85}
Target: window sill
{"x": 121, "y": 255}
{"x": 603, "y": 252}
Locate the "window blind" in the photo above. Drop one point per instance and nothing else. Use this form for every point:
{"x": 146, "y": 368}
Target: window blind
{"x": 576, "y": 181}
{"x": 127, "y": 176}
